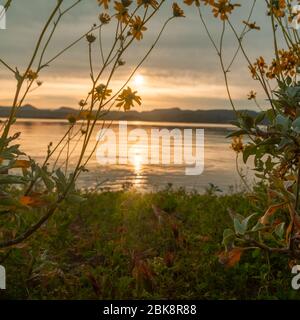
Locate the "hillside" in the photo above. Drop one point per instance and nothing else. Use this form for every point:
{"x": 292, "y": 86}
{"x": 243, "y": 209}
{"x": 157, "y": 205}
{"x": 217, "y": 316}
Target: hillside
{"x": 164, "y": 115}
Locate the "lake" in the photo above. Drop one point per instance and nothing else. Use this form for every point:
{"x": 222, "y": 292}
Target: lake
{"x": 219, "y": 158}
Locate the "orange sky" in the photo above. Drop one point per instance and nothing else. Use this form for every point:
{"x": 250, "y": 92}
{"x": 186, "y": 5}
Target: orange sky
{"x": 182, "y": 71}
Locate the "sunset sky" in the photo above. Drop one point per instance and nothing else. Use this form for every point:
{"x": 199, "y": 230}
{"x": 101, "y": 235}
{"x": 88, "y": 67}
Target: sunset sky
{"x": 183, "y": 70}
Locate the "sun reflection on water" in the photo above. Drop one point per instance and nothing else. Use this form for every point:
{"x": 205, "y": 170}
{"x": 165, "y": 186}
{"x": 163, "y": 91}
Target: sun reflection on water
{"x": 137, "y": 160}
{"x": 137, "y": 163}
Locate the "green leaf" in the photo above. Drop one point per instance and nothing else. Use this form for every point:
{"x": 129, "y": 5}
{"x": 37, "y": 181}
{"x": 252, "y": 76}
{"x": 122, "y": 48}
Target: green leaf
{"x": 292, "y": 92}
{"x": 247, "y": 121}
{"x": 270, "y": 115}
{"x": 283, "y": 143}
{"x": 288, "y": 80}
{"x": 279, "y": 230}
{"x": 74, "y": 198}
{"x": 258, "y": 227}
{"x": 256, "y": 253}
{"x": 283, "y": 122}
{"x": 235, "y": 123}
{"x": 48, "y": 182}
{"x": 239, "y": 227}
{"x": 60, "y": 180}
{"x": 260, "y": 117}
{"x": 236, "y": 133}
{"x": 235, "y": 215}
{"x": 8, "y": 201}
{"x": 246, "y": 221}
{"x": 228, "y": 237}
{"x": 248, "y": 151}
{"x": 296, "y": 125}
{"x": 10, "y": 179}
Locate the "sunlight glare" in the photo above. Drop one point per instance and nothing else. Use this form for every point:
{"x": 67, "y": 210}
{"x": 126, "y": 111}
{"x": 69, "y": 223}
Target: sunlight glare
{"x": 137, "y": 162}
{"x": 139, "y": 80}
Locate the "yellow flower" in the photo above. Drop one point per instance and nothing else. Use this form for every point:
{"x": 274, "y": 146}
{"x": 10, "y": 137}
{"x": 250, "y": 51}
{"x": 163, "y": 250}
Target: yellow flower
{"x": 146, "y": 3}
{"x": 252, "y": 95}
{"x": 223, "y": 8}
{"x": 177, "y": 11}
{"x": 126, "y": 3}
{"x": 260, "y": 62}
{"x": 104, "y": 18}
{"x": 278, "y": 8}
{"x": 127, "y": 98}
{"x": 237, "y": 144}
{"x": 137, "y": 27}
{"x": 288, "y": 63}
{"x": 260, "y": 65}
{"x": 190, "y": 2}
{"x": 104, "y": 3}
{"x": 251, "y": 25}
{"x": 31, "y": 75}
{"x": 210, "y": 2}
{"x": 274, "y": 69}
{"x": 82, "y": 103}
{"x": 102, "y": 93}
{"x": 72, "y": 119}
{"x": 122, "y": 12}
{"x": 121, "y": 62}
{"x": 253, "y": 72}
{"x": 90, "y": 38}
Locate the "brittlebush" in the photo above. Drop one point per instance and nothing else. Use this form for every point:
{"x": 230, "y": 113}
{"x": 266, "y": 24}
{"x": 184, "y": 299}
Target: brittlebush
{"x": 273, "y": 136}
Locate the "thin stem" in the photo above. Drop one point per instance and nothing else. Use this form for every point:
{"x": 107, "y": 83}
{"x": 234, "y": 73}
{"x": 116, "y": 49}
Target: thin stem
{"x": 22, "y": 78}
{"x": 7, "y": 66}
{"x": 240, "y": 173}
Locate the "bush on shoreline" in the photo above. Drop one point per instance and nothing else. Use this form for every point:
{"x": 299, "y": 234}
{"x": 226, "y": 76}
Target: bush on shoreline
{"x": 125, "y": 245}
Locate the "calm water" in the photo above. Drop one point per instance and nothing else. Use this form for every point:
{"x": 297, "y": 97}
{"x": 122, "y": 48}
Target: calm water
{"x": 219, "y": 166}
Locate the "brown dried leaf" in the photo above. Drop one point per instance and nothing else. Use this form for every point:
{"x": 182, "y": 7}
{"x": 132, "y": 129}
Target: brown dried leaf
{"x": 24, "y": 164}
{"x": 231, "y": 258}
{"x": 32, "y": 201}
{"x": 270, "y": 211}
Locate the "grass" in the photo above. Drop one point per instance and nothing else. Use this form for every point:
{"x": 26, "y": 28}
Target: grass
{"x": 126, "y": 245}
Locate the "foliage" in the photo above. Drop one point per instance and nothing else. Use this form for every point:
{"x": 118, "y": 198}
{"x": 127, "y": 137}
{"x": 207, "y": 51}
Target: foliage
{"x": 126, "y": 245}
{"x": 43, "y": 188}
{"x": 273, "y": 136}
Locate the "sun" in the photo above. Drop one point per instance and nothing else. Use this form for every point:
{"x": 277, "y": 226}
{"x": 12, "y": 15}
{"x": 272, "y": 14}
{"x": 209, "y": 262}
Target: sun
{"x": 139, "y": 80}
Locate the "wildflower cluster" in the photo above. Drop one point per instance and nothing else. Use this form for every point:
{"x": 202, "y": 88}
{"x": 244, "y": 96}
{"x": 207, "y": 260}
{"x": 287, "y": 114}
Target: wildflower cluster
{"x": 135, "y": 22}
{"x": 127, "y": 98}
{"x": 31, "y": 75}
{"x": 251, "y": 25}
{"x": 277, "y": 8}
{"x": 272, "y": 135}
{"x": 286, "y": 64}
{"x": 102, "y": 93}
{"x": 220, "y": 8}
{"x": 237, "y": 144}
{"x": 44, "y": 186}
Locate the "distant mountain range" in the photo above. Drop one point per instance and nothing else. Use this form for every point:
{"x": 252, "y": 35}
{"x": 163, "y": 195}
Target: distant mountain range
{"x": 164, "y": 115}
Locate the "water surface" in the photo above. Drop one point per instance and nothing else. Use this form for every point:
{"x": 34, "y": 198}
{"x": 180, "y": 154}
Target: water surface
{"x": 219, "y": 168}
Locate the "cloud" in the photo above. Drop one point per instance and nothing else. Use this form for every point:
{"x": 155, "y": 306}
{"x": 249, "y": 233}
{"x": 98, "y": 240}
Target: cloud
{"x": 182, "y": 70}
